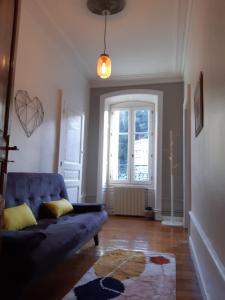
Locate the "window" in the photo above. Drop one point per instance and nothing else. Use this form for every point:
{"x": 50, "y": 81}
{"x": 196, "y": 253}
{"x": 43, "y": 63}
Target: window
{"x": 131, "y": 143}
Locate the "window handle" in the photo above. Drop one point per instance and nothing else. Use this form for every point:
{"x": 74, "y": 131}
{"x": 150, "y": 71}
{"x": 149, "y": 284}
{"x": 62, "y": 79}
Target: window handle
{"x": 132, "y": 155}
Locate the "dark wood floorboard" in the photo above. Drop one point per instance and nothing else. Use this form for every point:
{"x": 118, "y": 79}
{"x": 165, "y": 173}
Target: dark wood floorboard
{"x": 123, "y": 233}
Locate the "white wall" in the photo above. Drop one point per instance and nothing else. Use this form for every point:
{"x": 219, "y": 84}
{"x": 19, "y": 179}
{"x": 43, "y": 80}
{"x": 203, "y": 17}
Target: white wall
{"x": 206, "y": 52}
{"x": 44, "y": 64}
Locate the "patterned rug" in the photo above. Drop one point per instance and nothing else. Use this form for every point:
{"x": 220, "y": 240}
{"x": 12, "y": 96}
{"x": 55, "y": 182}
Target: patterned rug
{"x": 124, "y": 274}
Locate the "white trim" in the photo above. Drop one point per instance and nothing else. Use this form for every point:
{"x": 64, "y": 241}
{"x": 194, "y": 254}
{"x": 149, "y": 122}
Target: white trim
{"x": 198, "y": 270}
{"x": 187, "y": 156}
{"x": 187, "y": 35}
{"x": 182, "y": 18}
{"x": 82, "y": 197}
{"x": 158, "y": 215}
{"x": 168, "y": 218}
{"x": 126, "y": 185}
{"x": 60, "y": 133}
{"x": 215, "y": 258}
{"x": 128, "y": 95}
{"x": 127, "y": 80}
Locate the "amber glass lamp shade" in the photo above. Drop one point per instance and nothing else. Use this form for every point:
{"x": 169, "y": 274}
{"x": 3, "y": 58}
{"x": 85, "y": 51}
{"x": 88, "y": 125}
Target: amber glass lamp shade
{"x": 104, "y": 66}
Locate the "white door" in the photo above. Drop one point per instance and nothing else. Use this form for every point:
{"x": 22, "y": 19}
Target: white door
{"x": 71, "y": 150}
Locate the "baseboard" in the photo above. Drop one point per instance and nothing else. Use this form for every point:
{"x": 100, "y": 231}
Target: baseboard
{"x": 158, "y": 215}
{"x": 201, "y": 282}
{"x": 83, "y": 197}
{"x": 167, "y": 218}
{"x": 209, "y": 268}
{"x": 208, "y": 246}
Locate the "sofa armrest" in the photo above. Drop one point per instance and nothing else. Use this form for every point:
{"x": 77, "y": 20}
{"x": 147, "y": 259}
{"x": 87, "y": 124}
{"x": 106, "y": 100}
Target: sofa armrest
{"x": 81, "y": 208}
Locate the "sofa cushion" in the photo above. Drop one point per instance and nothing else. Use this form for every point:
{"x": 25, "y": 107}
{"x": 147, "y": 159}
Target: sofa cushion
{"x": 65, "y": 234}
{"x": 18, "y": 217}
{"x": 58, "y": 208}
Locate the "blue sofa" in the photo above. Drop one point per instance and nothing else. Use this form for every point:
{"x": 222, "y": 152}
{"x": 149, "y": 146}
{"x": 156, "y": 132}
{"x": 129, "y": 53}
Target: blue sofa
{"x": 27, "y": 253}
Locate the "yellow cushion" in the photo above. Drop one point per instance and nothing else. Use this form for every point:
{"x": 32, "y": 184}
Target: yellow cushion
{"x": 58, "y": 208}
{"x": 18, "y": 217}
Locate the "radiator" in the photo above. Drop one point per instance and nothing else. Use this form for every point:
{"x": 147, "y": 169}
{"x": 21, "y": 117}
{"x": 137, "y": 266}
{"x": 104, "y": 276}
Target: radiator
{"x": 129, "y": 201}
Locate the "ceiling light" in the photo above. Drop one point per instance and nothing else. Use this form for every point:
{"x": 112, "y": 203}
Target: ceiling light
{"x": 105, "y": 8}
{"x": 104, "y": 62}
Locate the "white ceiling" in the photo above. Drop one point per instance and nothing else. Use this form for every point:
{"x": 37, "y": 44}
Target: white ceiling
{"x": 145, "y": 40}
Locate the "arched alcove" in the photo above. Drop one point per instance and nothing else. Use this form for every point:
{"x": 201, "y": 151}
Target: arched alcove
{"x": 106, "y": 101}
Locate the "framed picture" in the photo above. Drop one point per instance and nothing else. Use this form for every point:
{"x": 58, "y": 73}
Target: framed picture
{"x": 198, "y": 105}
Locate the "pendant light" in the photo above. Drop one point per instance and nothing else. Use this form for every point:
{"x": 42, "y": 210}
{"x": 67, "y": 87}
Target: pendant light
{"x": 105, "y": 8}
{"x": 104, "y": 62}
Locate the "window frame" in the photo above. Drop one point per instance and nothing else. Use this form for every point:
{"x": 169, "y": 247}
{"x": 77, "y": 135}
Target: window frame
{"x": 131, "y": 107}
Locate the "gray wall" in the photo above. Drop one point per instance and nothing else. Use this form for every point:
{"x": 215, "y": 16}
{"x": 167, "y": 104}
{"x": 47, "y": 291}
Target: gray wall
{"x": 205, "y": 52}
{"x": 172, "y": 119}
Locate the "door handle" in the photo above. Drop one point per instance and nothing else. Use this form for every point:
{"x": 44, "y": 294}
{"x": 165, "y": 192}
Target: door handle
{"x": 8, "y": 148}
{"x": 4, "y": 157}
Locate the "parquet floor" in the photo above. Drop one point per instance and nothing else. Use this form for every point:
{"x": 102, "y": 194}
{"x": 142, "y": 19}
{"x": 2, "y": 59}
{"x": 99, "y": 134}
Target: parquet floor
{"x": 127, "y": 233}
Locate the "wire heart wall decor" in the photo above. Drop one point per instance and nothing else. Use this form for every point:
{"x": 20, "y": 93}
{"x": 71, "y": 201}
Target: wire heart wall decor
{"x": 29, "y": 111}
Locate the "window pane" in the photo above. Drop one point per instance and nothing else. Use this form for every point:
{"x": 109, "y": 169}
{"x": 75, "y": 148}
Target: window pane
{"x": 141, "y": 121}
{"x": 123, "y": 121}
{"x": 129, "y": 145}
{"x": 141, "y": 157}
{"x": 123, "y": 157}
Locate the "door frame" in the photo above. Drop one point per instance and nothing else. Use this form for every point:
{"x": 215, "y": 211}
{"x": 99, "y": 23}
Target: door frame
{"x": 9, "y": 96}
{"x": 187, "y": 156}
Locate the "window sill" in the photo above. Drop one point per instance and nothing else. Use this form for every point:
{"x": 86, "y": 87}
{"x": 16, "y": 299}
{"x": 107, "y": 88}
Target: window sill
{"x": 140, "y": 185}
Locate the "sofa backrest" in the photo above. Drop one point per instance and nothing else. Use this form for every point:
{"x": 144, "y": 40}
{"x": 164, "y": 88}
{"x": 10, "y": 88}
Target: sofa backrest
{"x": 33, "y": 189}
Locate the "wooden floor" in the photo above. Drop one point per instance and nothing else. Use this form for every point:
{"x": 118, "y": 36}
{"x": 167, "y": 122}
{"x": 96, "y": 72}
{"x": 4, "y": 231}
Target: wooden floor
{"x": 124, "y": 233}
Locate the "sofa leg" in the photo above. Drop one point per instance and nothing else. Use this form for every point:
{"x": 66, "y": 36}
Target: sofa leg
{"x": 96, "y": 240}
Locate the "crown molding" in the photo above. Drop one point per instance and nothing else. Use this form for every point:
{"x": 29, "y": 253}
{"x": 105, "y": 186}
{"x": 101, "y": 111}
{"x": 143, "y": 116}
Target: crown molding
{"x": 183, "y": 28}
{"x": 183, "y": 24}
{"x": 135, "y": 80}
{"x": 187, "y": 34}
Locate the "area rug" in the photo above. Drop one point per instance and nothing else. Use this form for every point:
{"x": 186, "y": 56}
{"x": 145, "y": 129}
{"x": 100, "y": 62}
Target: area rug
{"x": 124, "y": 274}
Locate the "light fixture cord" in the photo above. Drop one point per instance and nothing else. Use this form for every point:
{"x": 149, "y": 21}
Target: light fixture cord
{"x": 105, "y": 14}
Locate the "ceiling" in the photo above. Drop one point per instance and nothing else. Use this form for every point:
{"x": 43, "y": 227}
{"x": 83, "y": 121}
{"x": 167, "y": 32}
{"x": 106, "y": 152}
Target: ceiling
{"x": 145, "y": 40}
